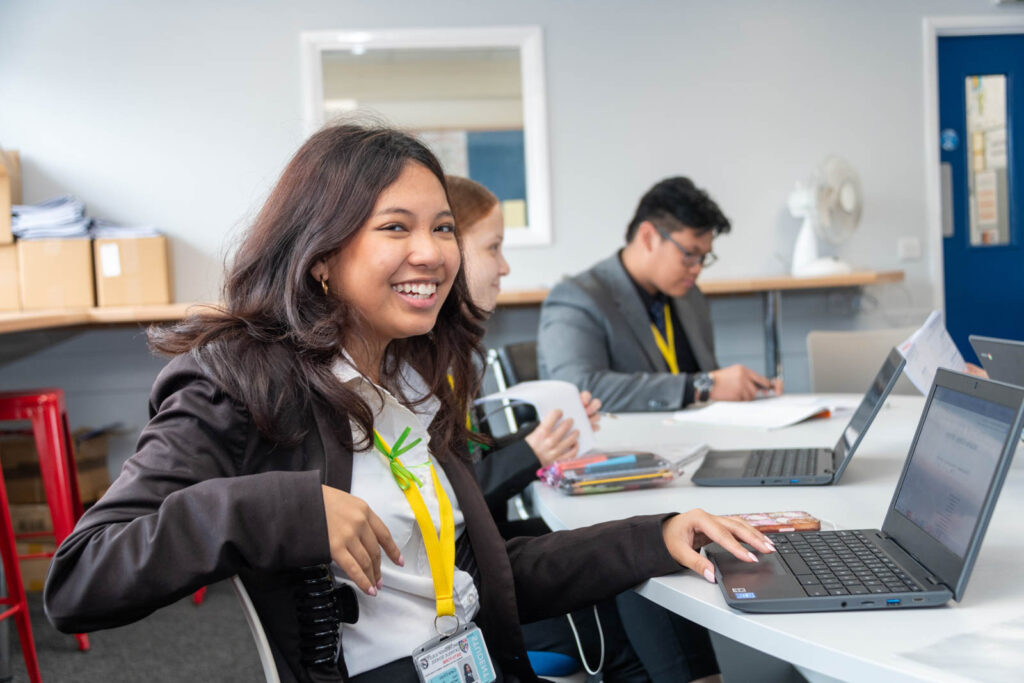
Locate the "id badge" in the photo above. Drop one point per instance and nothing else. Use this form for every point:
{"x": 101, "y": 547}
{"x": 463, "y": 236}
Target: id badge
{"x": 459, "y": 658}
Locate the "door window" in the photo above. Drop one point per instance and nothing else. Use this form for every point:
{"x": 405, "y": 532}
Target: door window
{"x": 987, "y": 169}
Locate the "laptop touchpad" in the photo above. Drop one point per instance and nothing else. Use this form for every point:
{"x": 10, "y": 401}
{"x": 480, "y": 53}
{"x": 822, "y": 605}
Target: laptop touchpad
{"x": 766, "y": 578}
{"x": 726, "y": 461}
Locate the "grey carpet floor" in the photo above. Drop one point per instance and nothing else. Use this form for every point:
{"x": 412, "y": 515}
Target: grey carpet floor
{"x": 181, "y": 642}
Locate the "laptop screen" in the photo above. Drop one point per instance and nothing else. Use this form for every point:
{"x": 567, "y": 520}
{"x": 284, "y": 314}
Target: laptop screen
{"x": 1003, "y": 359}
{"x": 951, "y": 468}
{"x": 869, "y": 405}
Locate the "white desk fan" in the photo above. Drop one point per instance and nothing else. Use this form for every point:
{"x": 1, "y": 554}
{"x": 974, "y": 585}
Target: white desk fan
{"x": 830, "y": 204}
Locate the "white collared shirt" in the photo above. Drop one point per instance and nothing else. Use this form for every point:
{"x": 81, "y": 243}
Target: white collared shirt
{"x": 401, "y": 617}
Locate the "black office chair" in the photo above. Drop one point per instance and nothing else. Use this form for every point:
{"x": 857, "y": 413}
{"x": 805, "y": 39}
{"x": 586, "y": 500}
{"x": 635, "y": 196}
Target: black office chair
{"x": 503, "y": 420}
{"x": 510, "y": 364}
{"x": 519, "y": 362}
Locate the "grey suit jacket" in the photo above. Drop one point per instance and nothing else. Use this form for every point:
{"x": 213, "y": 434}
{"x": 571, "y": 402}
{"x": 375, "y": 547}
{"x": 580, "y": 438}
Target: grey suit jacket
{"x": 595, "y": 333}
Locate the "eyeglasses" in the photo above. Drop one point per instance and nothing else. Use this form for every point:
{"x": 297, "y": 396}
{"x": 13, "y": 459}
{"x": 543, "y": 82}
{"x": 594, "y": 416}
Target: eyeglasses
{"x": 690, "y": 259}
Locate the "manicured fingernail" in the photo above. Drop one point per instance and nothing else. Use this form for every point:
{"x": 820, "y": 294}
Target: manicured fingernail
{"x": 372, "y": 592}
{"x": 709, "y": 574}
{"x": 752, "y": 556}
{"x": 769, "y": 542}
{"x": 380, "y": 583}
{"x": 401, "y": 561}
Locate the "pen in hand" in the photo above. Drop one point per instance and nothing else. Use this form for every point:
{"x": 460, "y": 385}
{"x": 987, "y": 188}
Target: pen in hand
{"x": 767, "y": 390}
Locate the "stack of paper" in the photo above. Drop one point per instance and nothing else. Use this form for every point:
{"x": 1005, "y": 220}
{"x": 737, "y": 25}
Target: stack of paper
{"x": 929, "y": 349}
{"x": 768, "y": 413}
{"x": 62, "y": 216}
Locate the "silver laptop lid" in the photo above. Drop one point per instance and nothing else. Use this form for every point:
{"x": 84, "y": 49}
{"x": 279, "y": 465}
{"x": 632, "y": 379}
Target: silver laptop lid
{"x": 1003, "y": 359}
{"x": 952, "y": 476}
{"x": 874, "y": 399}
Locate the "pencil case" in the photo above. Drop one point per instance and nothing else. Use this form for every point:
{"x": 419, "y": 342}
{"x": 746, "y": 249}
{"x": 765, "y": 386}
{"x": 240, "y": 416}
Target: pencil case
{"x": 607, "y": 472}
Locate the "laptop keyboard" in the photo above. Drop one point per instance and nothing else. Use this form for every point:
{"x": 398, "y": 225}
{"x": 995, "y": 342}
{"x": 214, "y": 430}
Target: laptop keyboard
{"x": 782, "y": 463}
{"x": 841, "y": 563}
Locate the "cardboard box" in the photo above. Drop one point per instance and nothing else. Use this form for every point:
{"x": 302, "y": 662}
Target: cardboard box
{"x": 34, "y": 571}
{"x": 55, "y": 273}
{"x": 21, "y": 467}
{"x": 93, "y": 479}
{"x": 132, "y": 271}
{"x": 10, "y": 191}
{"x": 31, "y": 518}
{"x": 9, "y": 289}
{"x": 18, "y": 450}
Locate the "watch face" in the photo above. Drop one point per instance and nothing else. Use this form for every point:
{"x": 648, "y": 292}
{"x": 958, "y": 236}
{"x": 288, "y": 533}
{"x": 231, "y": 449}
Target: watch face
{"x": 702, "y": 384}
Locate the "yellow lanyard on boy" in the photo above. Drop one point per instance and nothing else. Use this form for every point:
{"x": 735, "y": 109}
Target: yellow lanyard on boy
{"x": 667, "y": 347}
{"x": 440, "y": 547}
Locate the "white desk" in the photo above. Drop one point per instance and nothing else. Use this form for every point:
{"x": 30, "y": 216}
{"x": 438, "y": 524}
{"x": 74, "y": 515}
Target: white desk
{"x": 858, "y": 646}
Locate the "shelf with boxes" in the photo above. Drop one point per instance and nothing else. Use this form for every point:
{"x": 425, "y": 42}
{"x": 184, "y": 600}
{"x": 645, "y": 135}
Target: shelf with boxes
{"x": 61, "y": 282}
{"x": 53, "y": 274}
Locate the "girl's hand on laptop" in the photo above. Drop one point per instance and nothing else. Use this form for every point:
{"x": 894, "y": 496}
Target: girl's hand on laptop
{"x": 686, "y": 533}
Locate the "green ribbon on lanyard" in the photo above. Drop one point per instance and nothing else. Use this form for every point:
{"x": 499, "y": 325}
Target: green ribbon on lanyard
{"x": 403, "y": 477}
{"x": 440, "y": 545}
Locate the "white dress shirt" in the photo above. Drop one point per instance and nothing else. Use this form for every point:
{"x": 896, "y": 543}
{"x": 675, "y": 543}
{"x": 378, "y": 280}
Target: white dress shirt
{"x": 401, "y": 616}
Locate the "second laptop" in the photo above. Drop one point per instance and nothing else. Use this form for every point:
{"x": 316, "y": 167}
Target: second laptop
{"x": 802, "y": 466}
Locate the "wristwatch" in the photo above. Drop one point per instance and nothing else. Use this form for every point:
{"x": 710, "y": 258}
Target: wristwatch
{"x": 703, "y": 382}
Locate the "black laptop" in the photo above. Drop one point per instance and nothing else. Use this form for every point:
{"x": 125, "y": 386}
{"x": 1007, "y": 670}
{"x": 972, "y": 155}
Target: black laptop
{"x": 802, "y": 466}
{"x": 925, "y": 550}
{"x": 1003, "y": 359}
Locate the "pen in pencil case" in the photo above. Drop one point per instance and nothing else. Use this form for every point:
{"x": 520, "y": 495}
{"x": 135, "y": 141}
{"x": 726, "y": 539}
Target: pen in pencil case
{"x": 583, "y": 477}
{"x": 553, "y": 473}
{"x": 643, "y": 464}
{"x": 579, "y": 463}
{"x": 636, "y": 460}
{"x": 619, "y": 479}
{"x": 604, "y": 460}
{"x": 615, "y": 484}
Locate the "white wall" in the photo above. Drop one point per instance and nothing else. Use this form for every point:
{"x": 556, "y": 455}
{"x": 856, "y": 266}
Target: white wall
{"x": 182, "y": 114}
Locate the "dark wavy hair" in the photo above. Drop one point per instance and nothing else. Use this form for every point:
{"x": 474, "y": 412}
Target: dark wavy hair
{"x": 679, "y": 198}
{"x": 272, "y": 343}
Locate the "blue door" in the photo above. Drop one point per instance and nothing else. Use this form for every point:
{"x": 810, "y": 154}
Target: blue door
{"x": 981, "y": 105}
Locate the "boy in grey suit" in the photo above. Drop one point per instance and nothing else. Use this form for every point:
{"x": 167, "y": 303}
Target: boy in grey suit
{"x": 634, "y": 329}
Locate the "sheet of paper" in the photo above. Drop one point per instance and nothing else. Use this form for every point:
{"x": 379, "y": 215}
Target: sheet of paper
{"x": 767, "y": 413}
{"x": 929, "y": 349}
{"x": 546, "y": 395}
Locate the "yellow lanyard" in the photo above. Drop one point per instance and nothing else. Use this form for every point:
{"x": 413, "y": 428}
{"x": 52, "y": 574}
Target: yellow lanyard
{"x": 667, "y": 348}
{"x": 469, "y": 420}
{"x": 440, "y": 547}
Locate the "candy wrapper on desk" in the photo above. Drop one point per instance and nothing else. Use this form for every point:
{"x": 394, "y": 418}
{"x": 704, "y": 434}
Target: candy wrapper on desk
{"x": 608, "y": 472}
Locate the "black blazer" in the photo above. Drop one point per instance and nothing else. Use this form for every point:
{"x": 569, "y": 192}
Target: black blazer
{"x": 206, "y": 497}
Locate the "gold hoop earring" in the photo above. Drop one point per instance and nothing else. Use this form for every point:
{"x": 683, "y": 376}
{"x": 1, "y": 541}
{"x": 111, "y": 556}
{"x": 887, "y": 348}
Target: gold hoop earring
{"x": 323, "y": 283}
